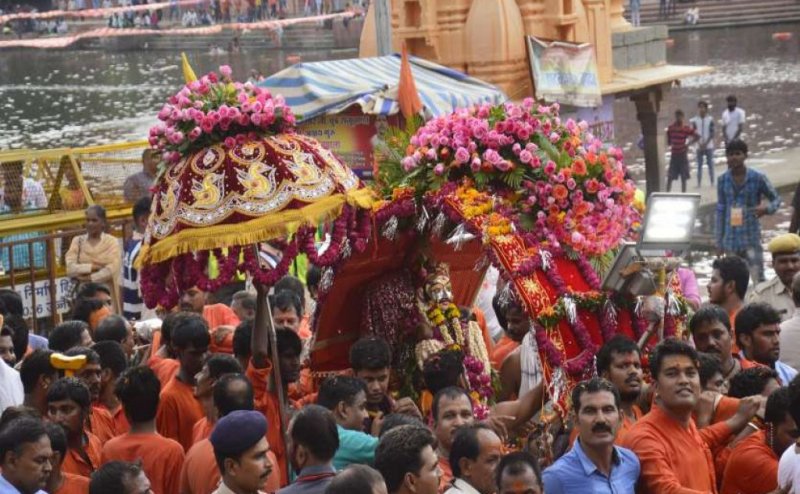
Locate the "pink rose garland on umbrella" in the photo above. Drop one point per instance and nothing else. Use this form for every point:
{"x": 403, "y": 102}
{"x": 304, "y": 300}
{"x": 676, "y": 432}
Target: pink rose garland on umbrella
{"x": 214, "y": 109}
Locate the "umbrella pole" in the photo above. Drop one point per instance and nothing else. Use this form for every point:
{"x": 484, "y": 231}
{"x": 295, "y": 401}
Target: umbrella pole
{"x": 277, "y": 379}
{"x": 278, "y": 382}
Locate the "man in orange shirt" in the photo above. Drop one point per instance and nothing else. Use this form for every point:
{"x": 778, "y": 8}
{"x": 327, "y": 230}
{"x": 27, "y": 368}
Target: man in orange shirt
{"x": 36, "y": 374}
{"x": 162, "y": 359}
{"x": 730, "y": 276}
{"x": 220, "y": 318}
{"x": 753, "y": 465}
{"x": 711, "y": 331}
{"x": 291, "y": 313}
{"x": 215, "y": 367}
{"x": 101, "y": 423}
{"x": 68, "y": 405}
{"x": 161, "y": 458}
{"x": 200, "y": 472}
{"x": 515, "y": 323}
{"x": 287, "y": 312}
{"x": 179, "y": 410}
{"x": 675, "y": 457}
{"x": 619, "y": 361}
{"x": 62, "y": 482}
{"x": 451, "y": 409}
{"x": 113, "y": 362}
{"x": 371, "y": 361}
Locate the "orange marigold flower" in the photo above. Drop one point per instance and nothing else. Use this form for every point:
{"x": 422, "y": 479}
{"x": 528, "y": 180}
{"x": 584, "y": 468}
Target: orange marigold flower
{"x": 560, "y": 192}
{"x": 579, "y": 168}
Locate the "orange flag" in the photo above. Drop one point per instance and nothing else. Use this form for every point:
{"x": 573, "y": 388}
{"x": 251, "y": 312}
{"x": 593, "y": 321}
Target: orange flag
{"x": 407, "y": 94}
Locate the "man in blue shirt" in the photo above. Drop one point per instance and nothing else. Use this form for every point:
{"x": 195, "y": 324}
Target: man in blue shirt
{"x": 24, "y": 456}
{"x": 315, "y": 440}
{"x": 594, "y": 465}
{"x": 346, "y": 397}
{"x": 740, "y": 192}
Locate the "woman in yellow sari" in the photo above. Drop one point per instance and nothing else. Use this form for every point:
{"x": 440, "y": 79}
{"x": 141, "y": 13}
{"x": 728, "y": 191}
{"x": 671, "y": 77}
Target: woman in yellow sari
{"x": 96, "y": 256}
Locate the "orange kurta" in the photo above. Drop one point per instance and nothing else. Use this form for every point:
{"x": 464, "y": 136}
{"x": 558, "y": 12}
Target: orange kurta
{"x": 161, "y": 458}
{"x": 164, "y": 368}
{"x": 178, "y": 411}
{"x": 72, "y": 484}
{"x": 121, "y": 425}
{"x": 217, "y": 315}
{"x": 101, "y": 423}
{"x": 447, "y": 474}
{"x": 202, "y": 430}
{"x": 752, "y": 467}
{"x": 304, "y": 387}
{"x": 726, "y": 408}
{"x": 504, "y": 346}
{"x": 200, "y": 473}
{"x": 268, "y": 404}
{"x": 76, "y": 464}
{"x": 675, "y": 459}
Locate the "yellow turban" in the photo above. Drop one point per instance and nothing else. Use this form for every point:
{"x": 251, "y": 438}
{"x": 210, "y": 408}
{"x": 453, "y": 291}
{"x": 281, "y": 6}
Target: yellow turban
{"x": 787, "y": 243}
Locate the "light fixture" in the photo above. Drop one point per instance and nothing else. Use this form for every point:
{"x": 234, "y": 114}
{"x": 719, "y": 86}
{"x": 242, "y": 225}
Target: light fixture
{"x": 668, "y": 224}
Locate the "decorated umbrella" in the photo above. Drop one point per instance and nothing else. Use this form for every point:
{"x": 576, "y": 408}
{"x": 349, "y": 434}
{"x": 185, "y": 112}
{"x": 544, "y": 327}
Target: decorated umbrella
{"x": 235, "y": 176}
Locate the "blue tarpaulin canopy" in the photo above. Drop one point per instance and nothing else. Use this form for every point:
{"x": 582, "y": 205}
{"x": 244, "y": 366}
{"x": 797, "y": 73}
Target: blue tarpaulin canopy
{"x": 318, "y": 88}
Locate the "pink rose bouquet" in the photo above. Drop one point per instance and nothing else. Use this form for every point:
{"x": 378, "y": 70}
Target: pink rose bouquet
{"x": 567, "y": 188}
{"x": 213, "y": 110}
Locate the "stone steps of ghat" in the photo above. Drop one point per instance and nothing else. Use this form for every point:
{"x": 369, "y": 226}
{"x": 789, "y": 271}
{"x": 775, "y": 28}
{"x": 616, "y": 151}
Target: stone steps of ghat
{"x": 725, "y": 13}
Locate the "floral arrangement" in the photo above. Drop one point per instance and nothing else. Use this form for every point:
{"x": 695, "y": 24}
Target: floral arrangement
{"x": 567, "y": 190}
{"x": 215, "y": 109}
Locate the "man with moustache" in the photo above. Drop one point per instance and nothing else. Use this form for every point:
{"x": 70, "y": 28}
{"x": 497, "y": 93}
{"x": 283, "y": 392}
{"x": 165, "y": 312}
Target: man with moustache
{"x": 777, "y": 292}
{"x": 675, "y": 456}
{"x": 619, "y": 361}
{"x": 594, "y": 461}
{"x": 241, "y": 452}
{"x": 730, "y": 277}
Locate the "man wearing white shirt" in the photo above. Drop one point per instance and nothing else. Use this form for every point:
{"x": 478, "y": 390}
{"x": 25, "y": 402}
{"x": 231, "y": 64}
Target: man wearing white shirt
{"x": 11, "y": 391}
{"x": 474, "y": 456}
{"x": 789, "y": 463}
{"x": 732, "y": 120}
{"x": 703, "y": 125}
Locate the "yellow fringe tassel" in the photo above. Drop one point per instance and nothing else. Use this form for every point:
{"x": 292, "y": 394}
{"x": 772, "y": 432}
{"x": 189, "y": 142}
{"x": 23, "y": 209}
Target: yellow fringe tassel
{"x": 254, "y": 231}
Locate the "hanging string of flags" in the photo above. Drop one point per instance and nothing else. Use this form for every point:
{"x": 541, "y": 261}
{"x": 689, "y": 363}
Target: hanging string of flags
{"x": 64, "y": 41}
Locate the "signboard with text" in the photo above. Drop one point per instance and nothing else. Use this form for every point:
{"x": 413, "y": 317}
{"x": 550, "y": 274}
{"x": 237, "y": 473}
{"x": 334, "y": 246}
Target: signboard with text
{"x": 350, "y": 135}
{"x": 564, "y": 72}
{"x": 41, "y": 289}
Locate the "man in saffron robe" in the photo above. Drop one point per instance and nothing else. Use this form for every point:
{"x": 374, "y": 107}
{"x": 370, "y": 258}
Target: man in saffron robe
{"x": 161, "y": 459}
{"x": 753, "y": 465}
{"x": 68, "y": 405}
{"x": 675, "y": 456}
{"x": 179, "y": 410}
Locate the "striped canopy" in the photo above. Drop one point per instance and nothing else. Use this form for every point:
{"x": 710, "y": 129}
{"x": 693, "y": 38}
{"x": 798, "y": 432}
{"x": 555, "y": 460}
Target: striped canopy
{"x": 318, "y": 88}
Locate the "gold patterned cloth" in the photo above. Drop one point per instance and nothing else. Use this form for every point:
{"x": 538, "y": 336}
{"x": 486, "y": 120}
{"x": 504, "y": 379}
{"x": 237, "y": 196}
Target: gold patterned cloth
{"x": 257, "y": 190}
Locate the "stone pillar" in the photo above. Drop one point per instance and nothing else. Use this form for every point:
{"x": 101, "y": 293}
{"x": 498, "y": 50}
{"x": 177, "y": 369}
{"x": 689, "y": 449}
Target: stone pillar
{"x": 600, "y": 37}
{"x": 648, "y": 104}
{"x": 618, "y": 21}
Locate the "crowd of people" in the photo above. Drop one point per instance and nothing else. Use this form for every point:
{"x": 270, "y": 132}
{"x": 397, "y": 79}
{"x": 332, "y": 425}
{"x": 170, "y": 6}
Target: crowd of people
{"x": 189, "y": 402}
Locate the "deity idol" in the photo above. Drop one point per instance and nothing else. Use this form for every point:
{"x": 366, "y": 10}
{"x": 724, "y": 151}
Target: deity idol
{"x": 417, "y": 315}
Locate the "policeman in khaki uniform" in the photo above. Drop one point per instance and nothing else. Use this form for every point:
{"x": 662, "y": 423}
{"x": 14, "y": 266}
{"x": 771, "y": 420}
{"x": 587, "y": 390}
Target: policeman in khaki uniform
{"x": 785, "y": 251}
